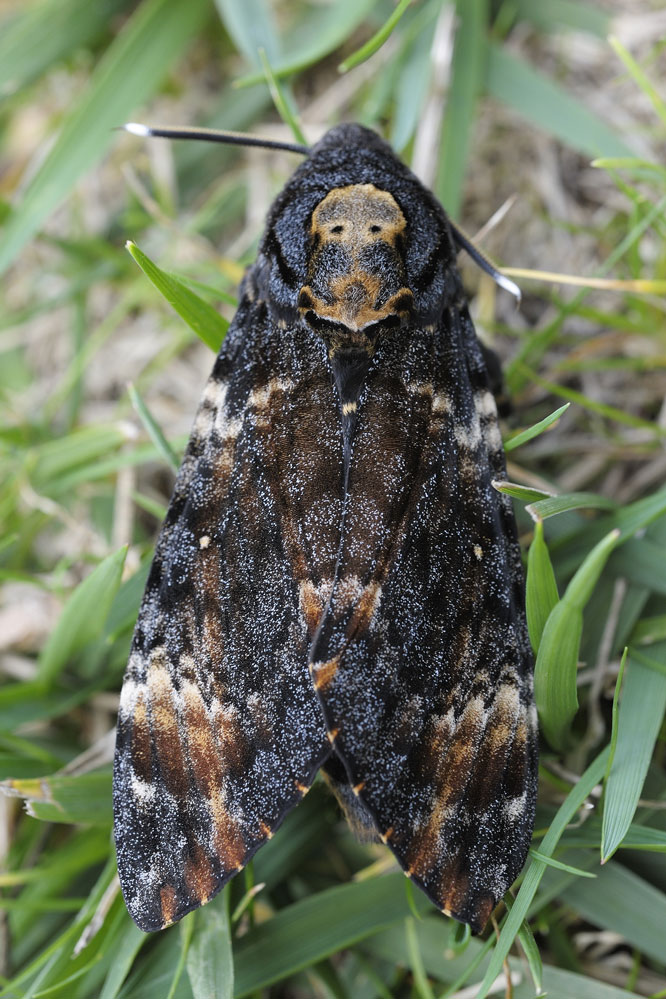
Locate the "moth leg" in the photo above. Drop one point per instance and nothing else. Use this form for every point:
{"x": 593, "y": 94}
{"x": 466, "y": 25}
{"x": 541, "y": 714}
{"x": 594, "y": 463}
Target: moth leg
{"x": 359, "y": 818}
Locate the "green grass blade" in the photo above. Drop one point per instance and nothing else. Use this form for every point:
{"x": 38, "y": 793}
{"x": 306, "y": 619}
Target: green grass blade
{"x": 209, "y": 960}
{"x": 637, "y": 837}
{"x": 308, "y": 931}
{"x": 553, "y": 505}
{"x": 624, "y": 903}
{"x": 557, "y": 15}
{"x": 555, "y": 670}
{"x": 540, "y": 588}
{"x": 201, "y": 317}
{"x": 639, "y": 719}
{"x": 421, "y": 983}
{"x": 48, "y": 463}
{"x": 641, "y": 562}
{"x": 282, "y": 103}
{"x": 127, "y": 947}
{"x": 593, "y": 405}
{"x": 558, "y": 865}
{"x": 314, "y": 37}
{"x": 390, "y": 946}
{"x": 525, "y": 493}
{"x": 83, "y": 617}
{"x": 377, "y": 40}
{"x": 535, "y": 871}
{"x": 538, "y": 428}
{"x": 84, "y": 798}
{"x": 530, "y": 948}
{"x": 649, "y": 630}
{"x": 466, "y": 82}
{"x": 548, "y": 106}
{"x": 154, "y": 431}
{"x": 640, "y": 77}
{"x": 47, "y": 32}
{"x": 130, "y": 70}
{"x": 250, "y": 26}
{"x": 614, "y": 715}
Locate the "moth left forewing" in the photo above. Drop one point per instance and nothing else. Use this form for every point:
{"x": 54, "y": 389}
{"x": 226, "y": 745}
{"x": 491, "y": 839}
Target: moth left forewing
{"x": 220, "y": 732}
{"x": 423, "y": 664}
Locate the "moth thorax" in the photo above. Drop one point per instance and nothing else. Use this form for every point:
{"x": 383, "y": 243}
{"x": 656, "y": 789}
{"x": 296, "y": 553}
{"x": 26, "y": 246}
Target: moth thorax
{"x": 356, "y": 284}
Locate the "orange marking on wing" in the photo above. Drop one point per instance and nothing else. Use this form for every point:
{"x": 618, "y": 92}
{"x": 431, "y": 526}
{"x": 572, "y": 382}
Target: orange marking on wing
{"x": 266, "y": 831}
{"x": 358, "y": 787}
{"x": 303, "y": 788}
{"x": 168, "y": 741}
{"x": 199, "y": 876}
{"x": 451, "y": 781}
{"x": 501, "y": 731}
{"x": 204, "y": 755}
{"x": 311, "y": 604}
{"x": 454, "y": 885}
{"x": 332, "y": 736}
{"x": 228, "y": 841}
{"x": 386, "y": 836}
{"x": 168, "y": 904}
{"x": 365, "y": 609}
{"x": 324, "y": 672}
{"x": 141, "y": 749}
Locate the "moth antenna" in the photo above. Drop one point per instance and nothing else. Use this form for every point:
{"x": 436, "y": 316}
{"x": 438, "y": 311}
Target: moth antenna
{"x": 212, "y": 135}
{"x": 465, "y": 243}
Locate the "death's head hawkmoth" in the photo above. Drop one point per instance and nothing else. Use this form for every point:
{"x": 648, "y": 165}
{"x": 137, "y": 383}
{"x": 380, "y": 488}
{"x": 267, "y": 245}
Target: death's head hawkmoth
{"x": 337, "y": 586}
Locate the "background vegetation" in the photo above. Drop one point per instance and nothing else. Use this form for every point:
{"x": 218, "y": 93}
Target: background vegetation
{"x": 496, "y": 105}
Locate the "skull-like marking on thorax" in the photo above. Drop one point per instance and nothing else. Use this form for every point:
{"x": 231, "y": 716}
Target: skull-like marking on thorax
{"x": 356, "y": 283}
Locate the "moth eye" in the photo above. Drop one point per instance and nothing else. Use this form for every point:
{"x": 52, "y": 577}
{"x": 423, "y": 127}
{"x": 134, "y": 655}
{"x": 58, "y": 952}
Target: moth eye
{"x": 337, "y": 228}
{"x": 375, "y": 228}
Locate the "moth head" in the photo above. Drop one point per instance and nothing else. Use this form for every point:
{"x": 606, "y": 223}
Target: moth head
{"x": 356, "y": 280}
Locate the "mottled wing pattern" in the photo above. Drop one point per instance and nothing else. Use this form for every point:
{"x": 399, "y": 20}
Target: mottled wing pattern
{"x": 423, "y": 663}
{"x": 220, "y": 732}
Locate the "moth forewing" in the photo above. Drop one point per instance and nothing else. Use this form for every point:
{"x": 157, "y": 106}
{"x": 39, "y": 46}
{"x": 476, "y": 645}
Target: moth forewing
{"x": 337, "y": 585}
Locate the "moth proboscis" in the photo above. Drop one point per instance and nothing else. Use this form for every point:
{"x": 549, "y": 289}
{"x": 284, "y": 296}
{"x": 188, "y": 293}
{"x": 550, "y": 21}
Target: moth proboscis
{"x": 337, "y": 586}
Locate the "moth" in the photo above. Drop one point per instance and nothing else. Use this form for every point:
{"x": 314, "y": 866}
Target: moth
{"x": 337, "y": 586}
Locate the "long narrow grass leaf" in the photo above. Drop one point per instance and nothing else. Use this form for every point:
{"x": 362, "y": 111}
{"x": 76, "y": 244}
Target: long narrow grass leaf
{"x": 640, "y": 77}
{"x": 132, "y": 67}
{"x": 540, "y": 587}
{"x": 552, "y": 505}
{"x": 639, "y": 720}
{"x": 47, "y": 32}
{"x": 555, "y": 670}
{"x": 314, "y": 37}
{"x": 281, "y": 101}
{"x": 530, "y": 948}
{"x": 83, "y": 617}
{"x": 85, "y": 798}
{"x": 525, "y": 493}
{"x": 154, "y": 431}
{"x": 250, "y": 25}
{"x": 538, "y": 428}
{"x": 558, "y": 865}
{"x": 209, "y": 960}
{"x": 201, "y": 317}
{"x": 547, "y": 105}
{"x": 377, "y": 40}
{"x": 307, "y": 931}
{"x": 466, "y": 82}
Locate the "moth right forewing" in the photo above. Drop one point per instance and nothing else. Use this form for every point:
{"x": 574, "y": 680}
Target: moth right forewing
{"x": 423, "y": 664}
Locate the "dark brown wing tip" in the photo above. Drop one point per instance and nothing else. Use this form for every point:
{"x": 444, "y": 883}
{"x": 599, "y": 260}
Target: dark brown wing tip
{"x": 476, "y": 913}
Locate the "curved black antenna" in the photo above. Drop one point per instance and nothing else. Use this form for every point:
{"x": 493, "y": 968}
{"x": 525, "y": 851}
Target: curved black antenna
{"x": 213, "y": 135}
{"x": 465, "y": 243}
